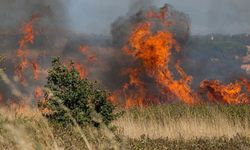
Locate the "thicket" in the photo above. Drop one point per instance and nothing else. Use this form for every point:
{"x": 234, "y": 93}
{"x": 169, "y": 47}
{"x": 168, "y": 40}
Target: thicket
{"x": 70, "y": 99}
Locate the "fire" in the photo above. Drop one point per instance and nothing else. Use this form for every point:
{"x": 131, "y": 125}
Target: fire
{"x": 92, "y": 58}
{"x": 134, "y": 99}
{"x": 81, "y": 69}
{"x": 35, "y": 70}
{"x": 154, "y": 50}
{"x": 23, "y": 52}
{"x": 232, "y": 93}
{"x": 23, "y": 65}
{"x": 161, "y": 15}
{"x": 133, "y": 92}
{"x": 245, "y": 82}
{"x": 153, "y": 78}
{"x": 38, "y": 93}
{"x": 18, "y": 107}
{"x": 29, "y": 33}
{"x": 1, "y": 97}
{"x": 85, "y": 50}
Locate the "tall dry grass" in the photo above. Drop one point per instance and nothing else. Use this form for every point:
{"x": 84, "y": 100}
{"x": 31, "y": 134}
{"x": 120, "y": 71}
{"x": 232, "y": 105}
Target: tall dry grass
{"x": 25, "y": 131}
{"x": 186, "y": 123}
{"x": 29, "y": 130}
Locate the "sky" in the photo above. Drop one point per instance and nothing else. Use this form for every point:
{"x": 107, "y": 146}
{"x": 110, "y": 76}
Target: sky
{"x": 207, "y": 16}
{"x": 96, "y": 16}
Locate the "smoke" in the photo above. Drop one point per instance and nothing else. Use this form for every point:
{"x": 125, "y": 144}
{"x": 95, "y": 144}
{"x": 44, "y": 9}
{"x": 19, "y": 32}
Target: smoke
{"x": 51, "y": 27}
{"x": 208, "y": 16}
{"x": 15, "y": 12}
{"x": 139, "y": 5}
{"x": 229, "y": 16}
{"x": 123, "y": 26}
{"x": 52, "y": 18}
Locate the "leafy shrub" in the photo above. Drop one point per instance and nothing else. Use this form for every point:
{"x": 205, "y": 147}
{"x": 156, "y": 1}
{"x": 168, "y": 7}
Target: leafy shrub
{"x": 70, "y": 98}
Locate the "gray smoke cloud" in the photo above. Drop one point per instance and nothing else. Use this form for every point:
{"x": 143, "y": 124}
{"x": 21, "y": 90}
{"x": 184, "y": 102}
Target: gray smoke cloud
{"x": 137, "y": 5}
{"x": 13, "y": 15}
{"x": 15, "y": 12}
{"x": 216, "y": 16}
{"x": 229, "y": 16}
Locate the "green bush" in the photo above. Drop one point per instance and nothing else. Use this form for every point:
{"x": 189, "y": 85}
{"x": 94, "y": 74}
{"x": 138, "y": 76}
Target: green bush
{"x": 70, "y": 99}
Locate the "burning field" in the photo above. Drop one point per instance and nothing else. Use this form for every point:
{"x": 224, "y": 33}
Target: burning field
{"x": 170, "y": 84}
{"x": 141, "y": 65}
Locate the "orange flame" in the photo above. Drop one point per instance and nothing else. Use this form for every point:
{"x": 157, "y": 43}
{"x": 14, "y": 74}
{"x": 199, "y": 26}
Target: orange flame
{"x": 81, "y": 69}
{"x": 231, "y": 93}
{"x": 1, "y": 97}
{"x": 22, "y": 52}
{"x": 85, "y": 51}
{"x": 38, "y": 93}
{"x": 29, "y": 34}
{"x": 161, "y": 15}
{"x": 154, "y": 50}
{"x": 20, "y": 107}
{"x": 136, "y": 99}
{"x": 35, "y": 70}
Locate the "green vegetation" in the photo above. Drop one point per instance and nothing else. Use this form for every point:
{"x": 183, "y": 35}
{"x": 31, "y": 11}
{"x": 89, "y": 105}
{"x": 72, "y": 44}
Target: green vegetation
{"x": 69, "y": 98}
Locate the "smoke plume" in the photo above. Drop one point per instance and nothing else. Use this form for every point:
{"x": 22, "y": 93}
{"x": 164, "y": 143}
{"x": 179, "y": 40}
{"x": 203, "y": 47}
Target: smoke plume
{"x": 229, "y": 16}
{"x": 123, "y": 26}
{"x": 139, "y": 5}
{"x": 14, "y": 12}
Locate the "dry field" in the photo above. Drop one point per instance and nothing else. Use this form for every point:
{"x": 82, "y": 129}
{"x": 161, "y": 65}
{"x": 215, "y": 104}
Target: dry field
{"x": 187, "y": 122}
{"x": 173, "y": 126}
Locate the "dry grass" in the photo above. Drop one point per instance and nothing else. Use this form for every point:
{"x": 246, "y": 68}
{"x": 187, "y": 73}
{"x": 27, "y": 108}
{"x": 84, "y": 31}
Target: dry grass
{"x": 157, "y": 124}
{"x": 25, "y": 130}
{"x": 186, "y": 128}
{"x": 164, "y": 125}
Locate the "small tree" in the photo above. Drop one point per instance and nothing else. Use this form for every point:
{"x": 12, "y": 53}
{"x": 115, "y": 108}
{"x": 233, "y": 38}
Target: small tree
{"x": 70, "y": 98}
